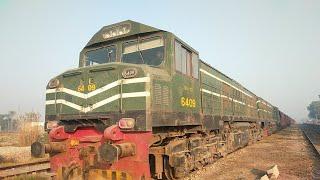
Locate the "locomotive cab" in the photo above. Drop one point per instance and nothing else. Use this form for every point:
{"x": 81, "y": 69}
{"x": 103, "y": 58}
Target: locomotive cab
{"x": 113, "y": 78}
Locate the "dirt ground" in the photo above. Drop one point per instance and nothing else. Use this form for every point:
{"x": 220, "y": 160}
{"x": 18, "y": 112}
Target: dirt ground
{"x": 9, "y": 139}
{"x": 10, "y": 151}
{"x": 288, "y": 149}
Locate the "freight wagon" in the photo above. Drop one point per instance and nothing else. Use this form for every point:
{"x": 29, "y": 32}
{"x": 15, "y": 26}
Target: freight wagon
{"x": 143, "y": 105}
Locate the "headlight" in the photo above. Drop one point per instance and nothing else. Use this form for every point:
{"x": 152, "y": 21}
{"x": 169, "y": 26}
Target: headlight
{"x": 52, "y": 124}
{"x": 53, "y": 83}
{"x": 126, "y": 123}
{"x": 129, "y": 73}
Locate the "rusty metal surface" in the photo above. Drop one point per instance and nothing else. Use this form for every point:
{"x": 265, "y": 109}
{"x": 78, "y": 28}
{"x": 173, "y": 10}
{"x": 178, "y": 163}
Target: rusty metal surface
{"x": 130, "y": 153}
{"x": 99, "y": 174}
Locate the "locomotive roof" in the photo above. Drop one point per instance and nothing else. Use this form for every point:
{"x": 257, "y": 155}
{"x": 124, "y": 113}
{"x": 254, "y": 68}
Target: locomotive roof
{"x": 121, "y": 29}
{"x": 132, "y": 28}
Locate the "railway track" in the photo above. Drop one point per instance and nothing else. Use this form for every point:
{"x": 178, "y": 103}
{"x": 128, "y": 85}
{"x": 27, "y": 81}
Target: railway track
{"x": 312, "y": 134}
{"x": 41, "y": 166}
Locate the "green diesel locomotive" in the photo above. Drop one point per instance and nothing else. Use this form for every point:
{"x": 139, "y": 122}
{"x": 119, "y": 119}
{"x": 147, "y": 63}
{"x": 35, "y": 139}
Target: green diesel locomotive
{"x": 143, "y": 105}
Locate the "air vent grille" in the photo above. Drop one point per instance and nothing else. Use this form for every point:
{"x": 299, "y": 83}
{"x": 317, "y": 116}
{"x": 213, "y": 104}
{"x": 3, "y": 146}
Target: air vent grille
{"x": 157, "y": 94}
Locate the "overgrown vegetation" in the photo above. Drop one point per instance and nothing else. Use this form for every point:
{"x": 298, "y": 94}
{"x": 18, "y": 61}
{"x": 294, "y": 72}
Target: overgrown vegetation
{"x": 314, "y": 110}
{"x": 30, "y": 128}
{"x": 29, "y": 134}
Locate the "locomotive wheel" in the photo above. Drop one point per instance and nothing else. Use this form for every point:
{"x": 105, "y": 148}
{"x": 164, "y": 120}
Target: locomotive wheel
{"x": 168, "y": 170}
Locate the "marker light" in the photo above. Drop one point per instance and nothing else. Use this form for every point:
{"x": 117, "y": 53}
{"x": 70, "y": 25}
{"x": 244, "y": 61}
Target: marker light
{"x": 53, "y": 83}
{"x": 126, "y": 123}
{"x": 116, "y": 31}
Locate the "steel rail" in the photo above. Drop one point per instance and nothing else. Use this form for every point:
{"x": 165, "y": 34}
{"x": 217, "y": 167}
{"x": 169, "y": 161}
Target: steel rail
{"x": 311, "y": 140}
{"x": 310, "y": 133}
{"x": 24, "y": 168}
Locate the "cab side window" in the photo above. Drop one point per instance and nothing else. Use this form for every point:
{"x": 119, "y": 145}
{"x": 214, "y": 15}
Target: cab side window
{"x": 186, "y": 62}
{"x": 195, "y": 65}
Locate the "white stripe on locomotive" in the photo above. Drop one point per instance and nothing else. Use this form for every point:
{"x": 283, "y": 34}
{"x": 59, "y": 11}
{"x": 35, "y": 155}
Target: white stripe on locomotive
{"x": 100, "y": 90}
{"x": 100, "y": 103}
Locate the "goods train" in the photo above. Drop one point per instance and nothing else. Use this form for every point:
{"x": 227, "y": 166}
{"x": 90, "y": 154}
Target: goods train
{"x": 142, "y": 105}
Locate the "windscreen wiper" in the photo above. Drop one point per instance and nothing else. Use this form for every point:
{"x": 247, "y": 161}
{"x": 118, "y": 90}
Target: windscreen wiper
{"x": 140, "y": 51}
{"x": 109, "y": 56}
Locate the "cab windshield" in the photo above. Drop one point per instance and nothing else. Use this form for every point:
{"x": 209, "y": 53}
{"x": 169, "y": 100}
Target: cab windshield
{"x": 101, "y": 55}
{"x": 146, "y": 51}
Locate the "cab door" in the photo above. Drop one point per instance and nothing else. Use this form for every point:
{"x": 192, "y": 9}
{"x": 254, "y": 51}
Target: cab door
{"x": 186, "y": 93}
{"x": 102, "y": 81}
{"x": 103, "y": 89}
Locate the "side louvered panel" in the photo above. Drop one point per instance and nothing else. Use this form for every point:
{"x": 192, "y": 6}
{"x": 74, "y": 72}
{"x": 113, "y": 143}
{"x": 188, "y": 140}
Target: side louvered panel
{"x": 165, "y": 95}
{"x": 157, "y": 94}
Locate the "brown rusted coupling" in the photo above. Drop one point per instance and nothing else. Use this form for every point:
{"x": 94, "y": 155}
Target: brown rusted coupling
{"x": 126, "y": 149}
{"x": 55, "y": 147}
{"x": 88, "y": 154}
{"x": 39, "y": 149}
{"x": 112, "y": 152}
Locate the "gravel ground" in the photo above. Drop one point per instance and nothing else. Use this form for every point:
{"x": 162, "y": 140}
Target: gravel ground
{"x": 12, "y": 154}
{"x": 10, "y": 150}
{"x": 9, "y": 153}
{"x": 288, "y": 149}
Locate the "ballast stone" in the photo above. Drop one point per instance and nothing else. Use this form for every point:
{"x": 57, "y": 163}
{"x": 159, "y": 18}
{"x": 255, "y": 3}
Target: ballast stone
{"x": 273, "y": 173}
{"x": 265, "y": 177}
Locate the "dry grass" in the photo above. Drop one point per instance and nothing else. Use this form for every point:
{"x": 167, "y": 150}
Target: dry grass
{"x": 29, "y": 134}
{"x": 8, "y": 139}
{"x": 15, "y": 146}
{"x": 12, "y": 154}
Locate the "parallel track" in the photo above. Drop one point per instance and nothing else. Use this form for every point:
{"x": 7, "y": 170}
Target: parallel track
{"x": 312, "y": 134}
{"x": 24, "y": 168}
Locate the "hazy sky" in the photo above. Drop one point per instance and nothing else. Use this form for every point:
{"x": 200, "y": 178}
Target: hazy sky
{"x": 272, "y": 47}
